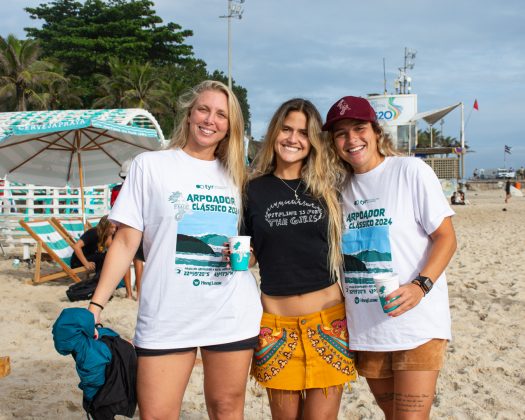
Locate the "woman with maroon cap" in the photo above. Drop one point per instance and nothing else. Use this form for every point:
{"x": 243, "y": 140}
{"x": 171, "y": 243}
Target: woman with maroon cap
{"x": 396, "y": 220}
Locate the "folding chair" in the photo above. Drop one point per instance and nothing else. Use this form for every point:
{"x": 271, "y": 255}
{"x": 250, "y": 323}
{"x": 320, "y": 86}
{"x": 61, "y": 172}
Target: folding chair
{"x": 52, "y": 241}
{"x": 93, "y": 221}
{"x": 72, "y": 228}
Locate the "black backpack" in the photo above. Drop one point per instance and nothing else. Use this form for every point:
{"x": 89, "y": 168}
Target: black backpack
{"x": 83, "y": 290}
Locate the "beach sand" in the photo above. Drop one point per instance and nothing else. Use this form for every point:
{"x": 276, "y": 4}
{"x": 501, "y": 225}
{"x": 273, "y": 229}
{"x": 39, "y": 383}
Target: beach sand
{"x": 483, "y": 377}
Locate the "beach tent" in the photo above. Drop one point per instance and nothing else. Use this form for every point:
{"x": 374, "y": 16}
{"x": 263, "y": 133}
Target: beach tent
{"x": 432, "y": 117}
{"x": 77, "y": 148}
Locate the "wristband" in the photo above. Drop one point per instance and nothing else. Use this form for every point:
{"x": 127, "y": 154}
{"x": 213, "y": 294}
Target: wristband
{"x": 96, "y": 304}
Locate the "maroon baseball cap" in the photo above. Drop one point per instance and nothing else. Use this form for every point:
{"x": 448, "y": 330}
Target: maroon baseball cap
{"x": 349, "y": 107}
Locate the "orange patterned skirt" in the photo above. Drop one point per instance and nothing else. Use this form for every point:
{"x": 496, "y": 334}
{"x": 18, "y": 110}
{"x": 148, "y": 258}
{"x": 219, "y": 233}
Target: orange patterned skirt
{"x": 297, "y": 353}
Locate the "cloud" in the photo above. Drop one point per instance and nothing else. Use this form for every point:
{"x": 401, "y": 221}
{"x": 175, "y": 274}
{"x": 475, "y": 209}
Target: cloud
{"x": 466, "y": 49}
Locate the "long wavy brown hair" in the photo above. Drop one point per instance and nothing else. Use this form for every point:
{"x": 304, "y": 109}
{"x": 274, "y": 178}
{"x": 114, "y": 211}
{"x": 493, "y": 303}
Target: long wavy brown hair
{"x": 103, "y": 232}
{"x": 320, "y": 171}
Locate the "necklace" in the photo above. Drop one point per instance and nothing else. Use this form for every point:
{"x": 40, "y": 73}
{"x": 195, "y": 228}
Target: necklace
{"x": 294, "y": 191}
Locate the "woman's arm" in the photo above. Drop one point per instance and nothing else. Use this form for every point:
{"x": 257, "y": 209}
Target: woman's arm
{"x": 116, "y": 264}
{"x": 77, "y": 247}
{"x": 442, "y": 249}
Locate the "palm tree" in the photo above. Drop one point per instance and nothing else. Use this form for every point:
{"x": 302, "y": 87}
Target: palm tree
{"x": 21, "y": 73}
{"x": 131, "y": 85}
{"x": 178, "y": 78}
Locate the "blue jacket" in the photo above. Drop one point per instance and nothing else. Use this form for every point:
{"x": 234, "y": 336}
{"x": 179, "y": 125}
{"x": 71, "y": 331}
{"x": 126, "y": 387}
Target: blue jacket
{"x": 73, "y": 334}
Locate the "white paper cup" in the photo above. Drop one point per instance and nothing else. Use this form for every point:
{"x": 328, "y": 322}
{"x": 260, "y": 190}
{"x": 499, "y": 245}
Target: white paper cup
{"x": 239, "y": 252}
{"x": 386, "y": 283}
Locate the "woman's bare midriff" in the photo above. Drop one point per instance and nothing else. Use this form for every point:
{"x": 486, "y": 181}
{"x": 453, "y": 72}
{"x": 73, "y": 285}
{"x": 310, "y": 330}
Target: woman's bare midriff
{"x": 307, "y": 303}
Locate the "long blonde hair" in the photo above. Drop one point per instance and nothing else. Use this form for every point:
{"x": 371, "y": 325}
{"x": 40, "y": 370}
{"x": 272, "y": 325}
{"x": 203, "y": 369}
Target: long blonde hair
{"x": 320, "y": 171}
{"x": 230, "y": 150}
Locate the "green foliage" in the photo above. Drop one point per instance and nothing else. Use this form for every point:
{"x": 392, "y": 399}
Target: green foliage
{"x": 102, "y": 54}
{"x": 178, "y": 78}
{"x": 240, "y": 92}
{"x": 22, "y": 73}
{"x": 130, "y": 85}
{"x": 84, "y": 37}
{"x": 438, "y": 140}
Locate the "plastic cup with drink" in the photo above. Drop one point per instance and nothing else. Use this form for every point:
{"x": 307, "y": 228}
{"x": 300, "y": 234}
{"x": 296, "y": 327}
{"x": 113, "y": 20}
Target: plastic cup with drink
{"x": 239, "y": 252}
{"x": 386, "y": 283}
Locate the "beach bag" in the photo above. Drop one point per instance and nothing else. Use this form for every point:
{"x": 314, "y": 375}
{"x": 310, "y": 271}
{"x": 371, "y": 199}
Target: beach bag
{"x": 83, "y": 290}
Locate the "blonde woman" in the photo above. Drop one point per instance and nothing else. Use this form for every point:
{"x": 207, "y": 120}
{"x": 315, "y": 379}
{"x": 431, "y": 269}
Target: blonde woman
{"x": 185, "y": 201}
{"x": 396, "y": 219}
{"x": 294, "y": 217}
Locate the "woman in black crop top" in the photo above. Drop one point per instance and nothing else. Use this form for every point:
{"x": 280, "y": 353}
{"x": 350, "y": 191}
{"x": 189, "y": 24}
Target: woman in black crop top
{"x": 293, "y": 216}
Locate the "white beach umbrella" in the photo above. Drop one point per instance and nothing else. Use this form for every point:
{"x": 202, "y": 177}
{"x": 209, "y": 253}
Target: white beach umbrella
{"x": 78, "y": 148}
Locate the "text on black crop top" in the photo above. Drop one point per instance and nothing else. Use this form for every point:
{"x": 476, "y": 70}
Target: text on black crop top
{"x": 289, "y": 236}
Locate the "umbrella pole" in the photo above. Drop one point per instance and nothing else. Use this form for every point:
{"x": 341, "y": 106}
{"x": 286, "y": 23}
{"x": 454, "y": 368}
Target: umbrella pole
{"x": 81, "y": 182}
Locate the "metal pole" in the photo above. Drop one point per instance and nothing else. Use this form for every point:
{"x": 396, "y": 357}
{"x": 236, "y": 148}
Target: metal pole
{"x": 384, "y": 77}
{"x": 229, "y": 44}
{"x": 80, "y": 176}
{"x": 462, "y": 135}
{"x": 233, "y": 12}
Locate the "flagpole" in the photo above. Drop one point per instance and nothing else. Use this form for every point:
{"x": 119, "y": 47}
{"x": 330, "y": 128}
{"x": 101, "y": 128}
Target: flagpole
{"x": 462, "y": 138}
{"x": 474, "y": 107}
{"x": 468, "y": 117}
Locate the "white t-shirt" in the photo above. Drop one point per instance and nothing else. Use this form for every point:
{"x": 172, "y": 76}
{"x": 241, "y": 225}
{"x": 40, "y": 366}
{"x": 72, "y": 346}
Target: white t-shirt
{"x": 187, "y": 208}
{"x": 389, "y": 213}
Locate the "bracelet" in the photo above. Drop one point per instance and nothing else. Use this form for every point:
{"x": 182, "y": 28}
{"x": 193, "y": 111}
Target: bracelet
{"x": 96, "y": 304}
{"x": 420, "y": 286}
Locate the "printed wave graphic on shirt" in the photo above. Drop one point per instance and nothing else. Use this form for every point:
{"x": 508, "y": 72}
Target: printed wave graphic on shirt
{"x": 200, "y": 250}
{"x": 367, "y": 250}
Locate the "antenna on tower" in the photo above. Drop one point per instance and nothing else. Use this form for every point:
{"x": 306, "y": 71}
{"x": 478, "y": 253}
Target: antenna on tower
{"x": 403, "y": 83}
{"x": 384, "y": 77}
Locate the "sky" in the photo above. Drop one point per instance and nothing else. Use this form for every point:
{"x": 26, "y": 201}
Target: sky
{"x": 324, "y": 50}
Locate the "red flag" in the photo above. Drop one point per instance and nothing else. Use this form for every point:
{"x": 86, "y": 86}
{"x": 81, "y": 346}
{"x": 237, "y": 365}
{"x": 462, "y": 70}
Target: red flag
{"x": 476, "y": 107}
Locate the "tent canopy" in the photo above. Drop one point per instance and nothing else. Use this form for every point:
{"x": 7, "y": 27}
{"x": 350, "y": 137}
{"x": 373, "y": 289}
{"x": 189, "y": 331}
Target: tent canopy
{"x": 432, "y": 117}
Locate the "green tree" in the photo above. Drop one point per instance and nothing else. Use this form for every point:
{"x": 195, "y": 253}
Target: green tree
{"x": 85, "y": 36}
{"x": 242, "y": 96}
{"x": 178, "y": 78}
{"x": 60, "y": 93}
{"x": 22, "y": 73}
{"x": 438, "y": 139}
{"x": 131, "y": 85}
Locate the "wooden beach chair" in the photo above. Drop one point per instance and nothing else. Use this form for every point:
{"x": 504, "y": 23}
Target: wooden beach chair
{"x": 53, "y": 242}
{"x": 72, "y": 228}
{"x": 92, "y": 221}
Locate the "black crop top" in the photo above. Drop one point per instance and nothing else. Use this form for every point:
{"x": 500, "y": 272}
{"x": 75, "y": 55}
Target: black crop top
{"x": 290, "y": 237}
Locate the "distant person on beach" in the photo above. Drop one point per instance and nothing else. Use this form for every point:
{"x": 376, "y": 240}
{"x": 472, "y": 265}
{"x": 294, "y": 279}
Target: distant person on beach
{"x": 458, "y": 198}
{"x": 293, "y": 215}
{"x": 507, "y": 191}
{"x": 185, "y": 202}
{"x": 396, "y": 219}
{"x": 90, "y": 249}
{"x": 138, "y": 260}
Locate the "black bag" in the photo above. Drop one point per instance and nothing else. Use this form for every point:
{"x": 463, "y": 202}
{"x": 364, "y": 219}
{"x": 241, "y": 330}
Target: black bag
{"x": 83, "y": 290}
